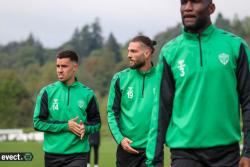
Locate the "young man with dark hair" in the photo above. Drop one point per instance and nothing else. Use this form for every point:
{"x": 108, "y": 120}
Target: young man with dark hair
{"x": 205, "y": 79}
{"x": 66, "y": 111}
{"x": 130, "y": 103}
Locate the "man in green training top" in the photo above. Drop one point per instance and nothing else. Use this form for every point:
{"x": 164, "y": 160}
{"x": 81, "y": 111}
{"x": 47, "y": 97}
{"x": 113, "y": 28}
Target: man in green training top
{"x": 66, "y": 111}
{"x": 130, "y": 103}
{"x": 205, "y": 79}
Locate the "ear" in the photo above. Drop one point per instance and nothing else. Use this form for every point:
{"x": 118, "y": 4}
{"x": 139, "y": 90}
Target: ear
{"x": 147, "y": 53}
{"x": 75, "y": 67}
{"x": 211, "y": 8}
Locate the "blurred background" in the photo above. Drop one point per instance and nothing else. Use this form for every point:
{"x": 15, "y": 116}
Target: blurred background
{"x": 33, "y": 31}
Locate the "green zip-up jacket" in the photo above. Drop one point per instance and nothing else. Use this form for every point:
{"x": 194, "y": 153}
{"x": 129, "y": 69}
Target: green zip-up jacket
{"x": 58, "y": 103}
{"x": 204, "y": 80}
{"x": 130, "y": 105}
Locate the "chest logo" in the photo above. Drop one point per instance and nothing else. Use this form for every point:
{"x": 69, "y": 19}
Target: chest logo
{"x": 55, "y": 104}
{"x": 181, "y": 67}
{"x": 130, "y": 92}
{"x": 224, "y": 58}
{"x": 80, "y": 103}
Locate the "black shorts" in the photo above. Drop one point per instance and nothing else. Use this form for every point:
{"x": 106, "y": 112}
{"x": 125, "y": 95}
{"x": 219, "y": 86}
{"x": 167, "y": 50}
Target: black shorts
{"x": 70, "y": 160}
{"x": 126, "y": 159}
{"x": 222, "y": 156}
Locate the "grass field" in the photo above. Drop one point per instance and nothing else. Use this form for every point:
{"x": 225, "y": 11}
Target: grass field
{"x": 107, "y": 153}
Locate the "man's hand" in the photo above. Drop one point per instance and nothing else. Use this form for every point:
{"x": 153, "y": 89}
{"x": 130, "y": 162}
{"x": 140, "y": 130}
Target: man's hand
{"x": 126, "y": 146}
{"x": 76, "y": 128}
{"x": 82, "y": 129}
{"x": 244, "y": 162}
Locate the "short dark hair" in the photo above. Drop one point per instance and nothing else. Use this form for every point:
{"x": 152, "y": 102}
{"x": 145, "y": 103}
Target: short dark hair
{"x": 146, "y": 41}
{"x": 68, "y": 54}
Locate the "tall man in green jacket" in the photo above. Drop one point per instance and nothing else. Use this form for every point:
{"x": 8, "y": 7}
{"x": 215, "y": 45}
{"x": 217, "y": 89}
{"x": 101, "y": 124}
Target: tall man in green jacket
{"x": 66, "y": 111}
{"x": 130, "y": 103}
{"x": 205, "y": 79}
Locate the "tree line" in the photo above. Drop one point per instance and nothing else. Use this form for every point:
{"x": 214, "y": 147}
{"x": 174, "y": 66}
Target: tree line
{"x": 26, "y": 66}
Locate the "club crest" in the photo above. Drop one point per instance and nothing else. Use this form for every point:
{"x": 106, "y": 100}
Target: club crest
{"x": 80, "y": 103}
{"x": 224, "y": 58}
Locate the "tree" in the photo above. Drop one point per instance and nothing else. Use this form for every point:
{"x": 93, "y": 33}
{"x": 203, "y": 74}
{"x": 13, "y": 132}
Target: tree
{"x": 21, "y": 54}
{"x": 96, "y": 34}
{"x": 223, "y": 23}
{"x": 85, "y": 42}
{"x": 112, "y": 45}
{"x": 16, "y": 106}
{"x": 75, "y": 40}
{"x": 38, "y": 48}
{"x": 98, "y": 70}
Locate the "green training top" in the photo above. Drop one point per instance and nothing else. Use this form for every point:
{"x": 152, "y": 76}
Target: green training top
{"x": 130, "y": 105}
{"x": 204, "y": 79}
{"x": 58, "y": 103}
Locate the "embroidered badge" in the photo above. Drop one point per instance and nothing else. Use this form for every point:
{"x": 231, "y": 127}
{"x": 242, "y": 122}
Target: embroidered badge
{"x": 224, "y": 58}
{"x": 80, "y": 103}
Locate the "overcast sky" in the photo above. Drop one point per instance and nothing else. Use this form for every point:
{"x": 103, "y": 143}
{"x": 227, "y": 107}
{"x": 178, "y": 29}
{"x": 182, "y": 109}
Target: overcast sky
{"x": 53, "y": 21}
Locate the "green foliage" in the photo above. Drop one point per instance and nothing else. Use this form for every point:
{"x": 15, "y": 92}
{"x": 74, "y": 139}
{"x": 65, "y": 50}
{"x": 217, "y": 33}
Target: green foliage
{"x": 97, "y": 70}
{"x": 15, "y": 105}
{"x": 86, "y": 40}
{"x": 6, "y": 60}
{"x": 96, "y": 35}
{"x": 19, "y": 55}
{"x": 112, "y": 45}
{"x": 35, "y": 77}
{"x": 221, "y": 22}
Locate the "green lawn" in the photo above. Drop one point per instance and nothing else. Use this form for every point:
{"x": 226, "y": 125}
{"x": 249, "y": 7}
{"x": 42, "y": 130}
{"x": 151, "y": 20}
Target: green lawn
{"x": 107, "y": 153}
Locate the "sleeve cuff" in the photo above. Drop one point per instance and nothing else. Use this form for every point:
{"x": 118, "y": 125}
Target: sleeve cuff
{"x": 65, "y": 127}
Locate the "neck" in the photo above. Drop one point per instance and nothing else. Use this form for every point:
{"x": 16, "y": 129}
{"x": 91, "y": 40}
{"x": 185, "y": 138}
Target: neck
{"x": 70, "y": 81}
{"x": 146, "y": 67}
{"x": 200, "y": 30}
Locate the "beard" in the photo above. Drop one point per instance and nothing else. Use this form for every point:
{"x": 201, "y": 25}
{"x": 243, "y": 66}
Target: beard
{"x": 137, "y": 65}
{"x": 199, "y": 25}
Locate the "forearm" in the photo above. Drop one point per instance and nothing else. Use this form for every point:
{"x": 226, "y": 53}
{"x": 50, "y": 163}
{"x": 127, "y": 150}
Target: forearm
{"x": 113, "y": 126}
{"x": 114, "y": 109}
{"x": 50, "y": 126}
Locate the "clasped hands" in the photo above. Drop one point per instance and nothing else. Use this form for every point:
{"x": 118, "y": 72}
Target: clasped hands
{"x": 77, "y": 129}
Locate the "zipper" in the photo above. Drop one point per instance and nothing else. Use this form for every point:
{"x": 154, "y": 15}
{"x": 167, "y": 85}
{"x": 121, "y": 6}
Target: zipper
{"x": 68, "y": 95}
{"x": 143, "y": 82}
{"x": 201, "y": 61}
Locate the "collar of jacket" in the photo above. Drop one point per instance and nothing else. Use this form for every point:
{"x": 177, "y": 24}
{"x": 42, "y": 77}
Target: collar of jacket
{"x": 203, "y": 35}
{"x": 148, "y": 72}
